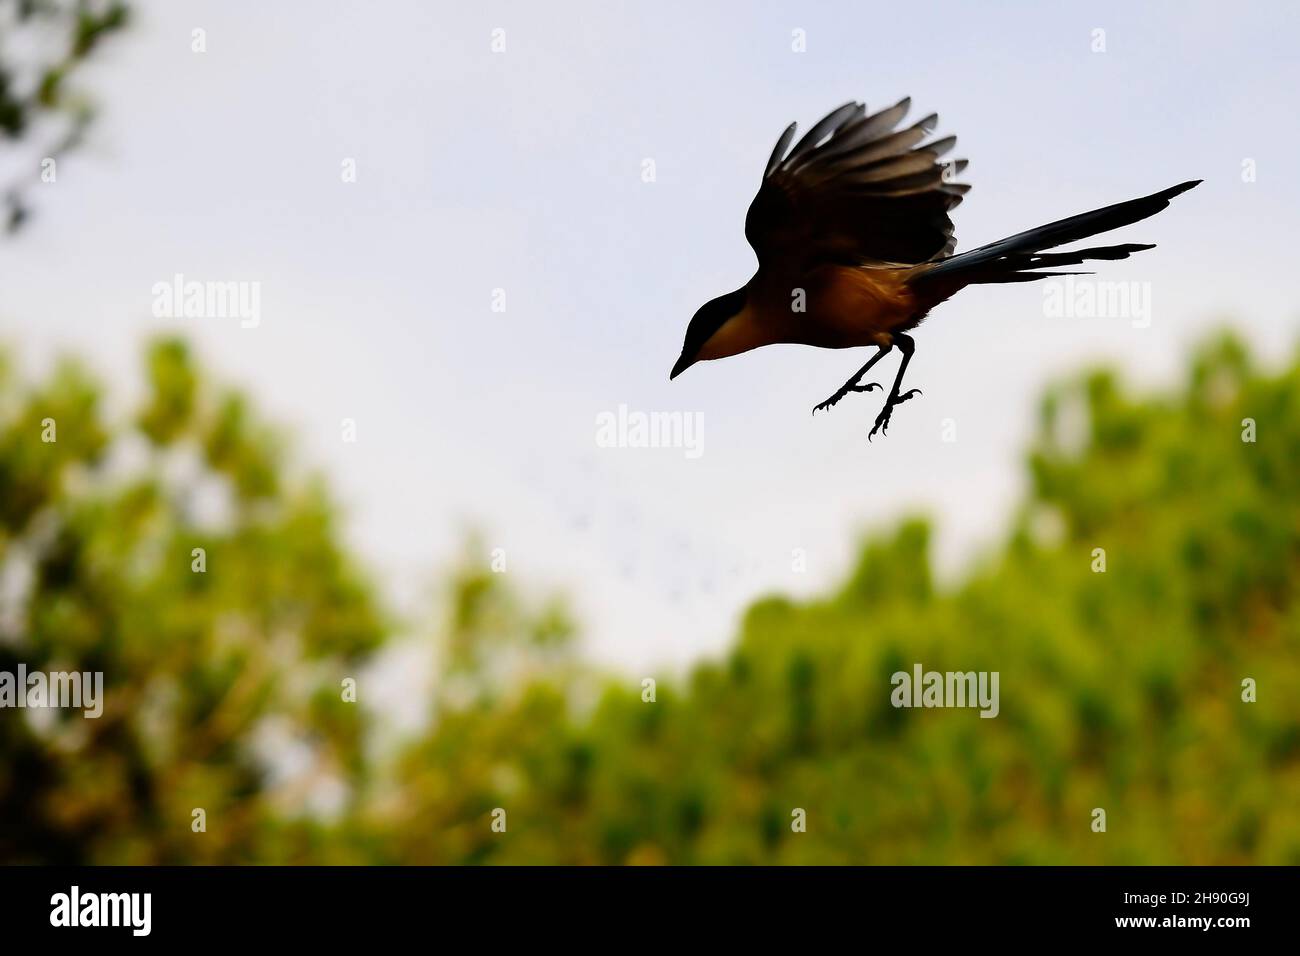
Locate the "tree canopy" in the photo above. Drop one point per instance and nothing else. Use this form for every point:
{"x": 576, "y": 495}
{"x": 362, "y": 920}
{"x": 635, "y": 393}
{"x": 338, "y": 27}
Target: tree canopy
{"x": 1148, "y": 580}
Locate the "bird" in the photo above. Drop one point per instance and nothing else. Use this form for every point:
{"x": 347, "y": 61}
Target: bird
{"x": 855, "y": 246}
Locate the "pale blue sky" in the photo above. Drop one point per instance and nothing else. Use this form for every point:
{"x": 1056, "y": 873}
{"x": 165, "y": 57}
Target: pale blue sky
{"x": 522, "y": 171}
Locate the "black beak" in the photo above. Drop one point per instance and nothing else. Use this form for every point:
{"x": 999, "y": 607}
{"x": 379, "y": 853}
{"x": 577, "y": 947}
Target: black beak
{"x": 682, "y": 365}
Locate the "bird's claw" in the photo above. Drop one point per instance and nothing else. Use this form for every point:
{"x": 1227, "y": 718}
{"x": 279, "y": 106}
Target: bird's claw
{"x": 882, "y": 420}
{"x": 835, "y": 399}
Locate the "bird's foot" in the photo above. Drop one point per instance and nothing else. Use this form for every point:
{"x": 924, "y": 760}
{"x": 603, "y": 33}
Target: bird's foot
{"x": 834, "y": 399}
{"x": 882, "y": 420}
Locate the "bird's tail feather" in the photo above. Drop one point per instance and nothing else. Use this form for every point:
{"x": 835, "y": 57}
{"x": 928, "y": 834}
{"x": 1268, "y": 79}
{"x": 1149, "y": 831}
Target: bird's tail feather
{"x": 1011, "y": 259}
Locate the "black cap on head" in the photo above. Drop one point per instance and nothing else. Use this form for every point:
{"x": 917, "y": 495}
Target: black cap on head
{"x": 706, "y": 321}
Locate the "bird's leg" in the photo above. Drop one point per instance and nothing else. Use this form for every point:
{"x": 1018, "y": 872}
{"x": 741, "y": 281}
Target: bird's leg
{"x": 906, "y": 346}
{"x": 852, "y": 384}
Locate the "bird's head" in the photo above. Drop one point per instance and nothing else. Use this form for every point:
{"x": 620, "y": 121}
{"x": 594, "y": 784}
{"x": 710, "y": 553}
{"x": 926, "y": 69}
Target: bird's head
{"x": 710, "y": 317}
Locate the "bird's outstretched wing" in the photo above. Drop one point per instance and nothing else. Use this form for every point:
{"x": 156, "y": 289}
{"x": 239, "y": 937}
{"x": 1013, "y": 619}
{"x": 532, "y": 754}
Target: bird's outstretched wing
{"x": 856, "y": 189}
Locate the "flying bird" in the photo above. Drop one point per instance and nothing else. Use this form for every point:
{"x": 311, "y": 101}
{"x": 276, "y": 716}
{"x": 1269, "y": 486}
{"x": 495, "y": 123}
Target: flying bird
{"x": 855, "y": 246}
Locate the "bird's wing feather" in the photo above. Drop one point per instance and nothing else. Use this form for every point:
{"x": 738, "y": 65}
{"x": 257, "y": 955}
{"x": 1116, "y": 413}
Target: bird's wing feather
{"x": 856, "y": 189}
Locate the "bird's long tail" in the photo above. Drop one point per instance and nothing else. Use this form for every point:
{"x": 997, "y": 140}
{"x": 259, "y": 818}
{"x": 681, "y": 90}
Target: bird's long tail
{"x": 1016, "y": 258}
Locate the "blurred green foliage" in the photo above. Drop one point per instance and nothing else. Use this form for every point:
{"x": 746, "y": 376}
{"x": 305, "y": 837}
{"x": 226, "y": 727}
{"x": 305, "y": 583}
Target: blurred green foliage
{"x": 42, "y": 44}
{"x": 98, "y": 539}
{"x": 1120, "y": 690}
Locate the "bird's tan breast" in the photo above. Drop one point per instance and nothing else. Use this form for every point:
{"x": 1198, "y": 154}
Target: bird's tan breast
{"x": 831, "y": 307}
{"x": 837, "y": 306}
